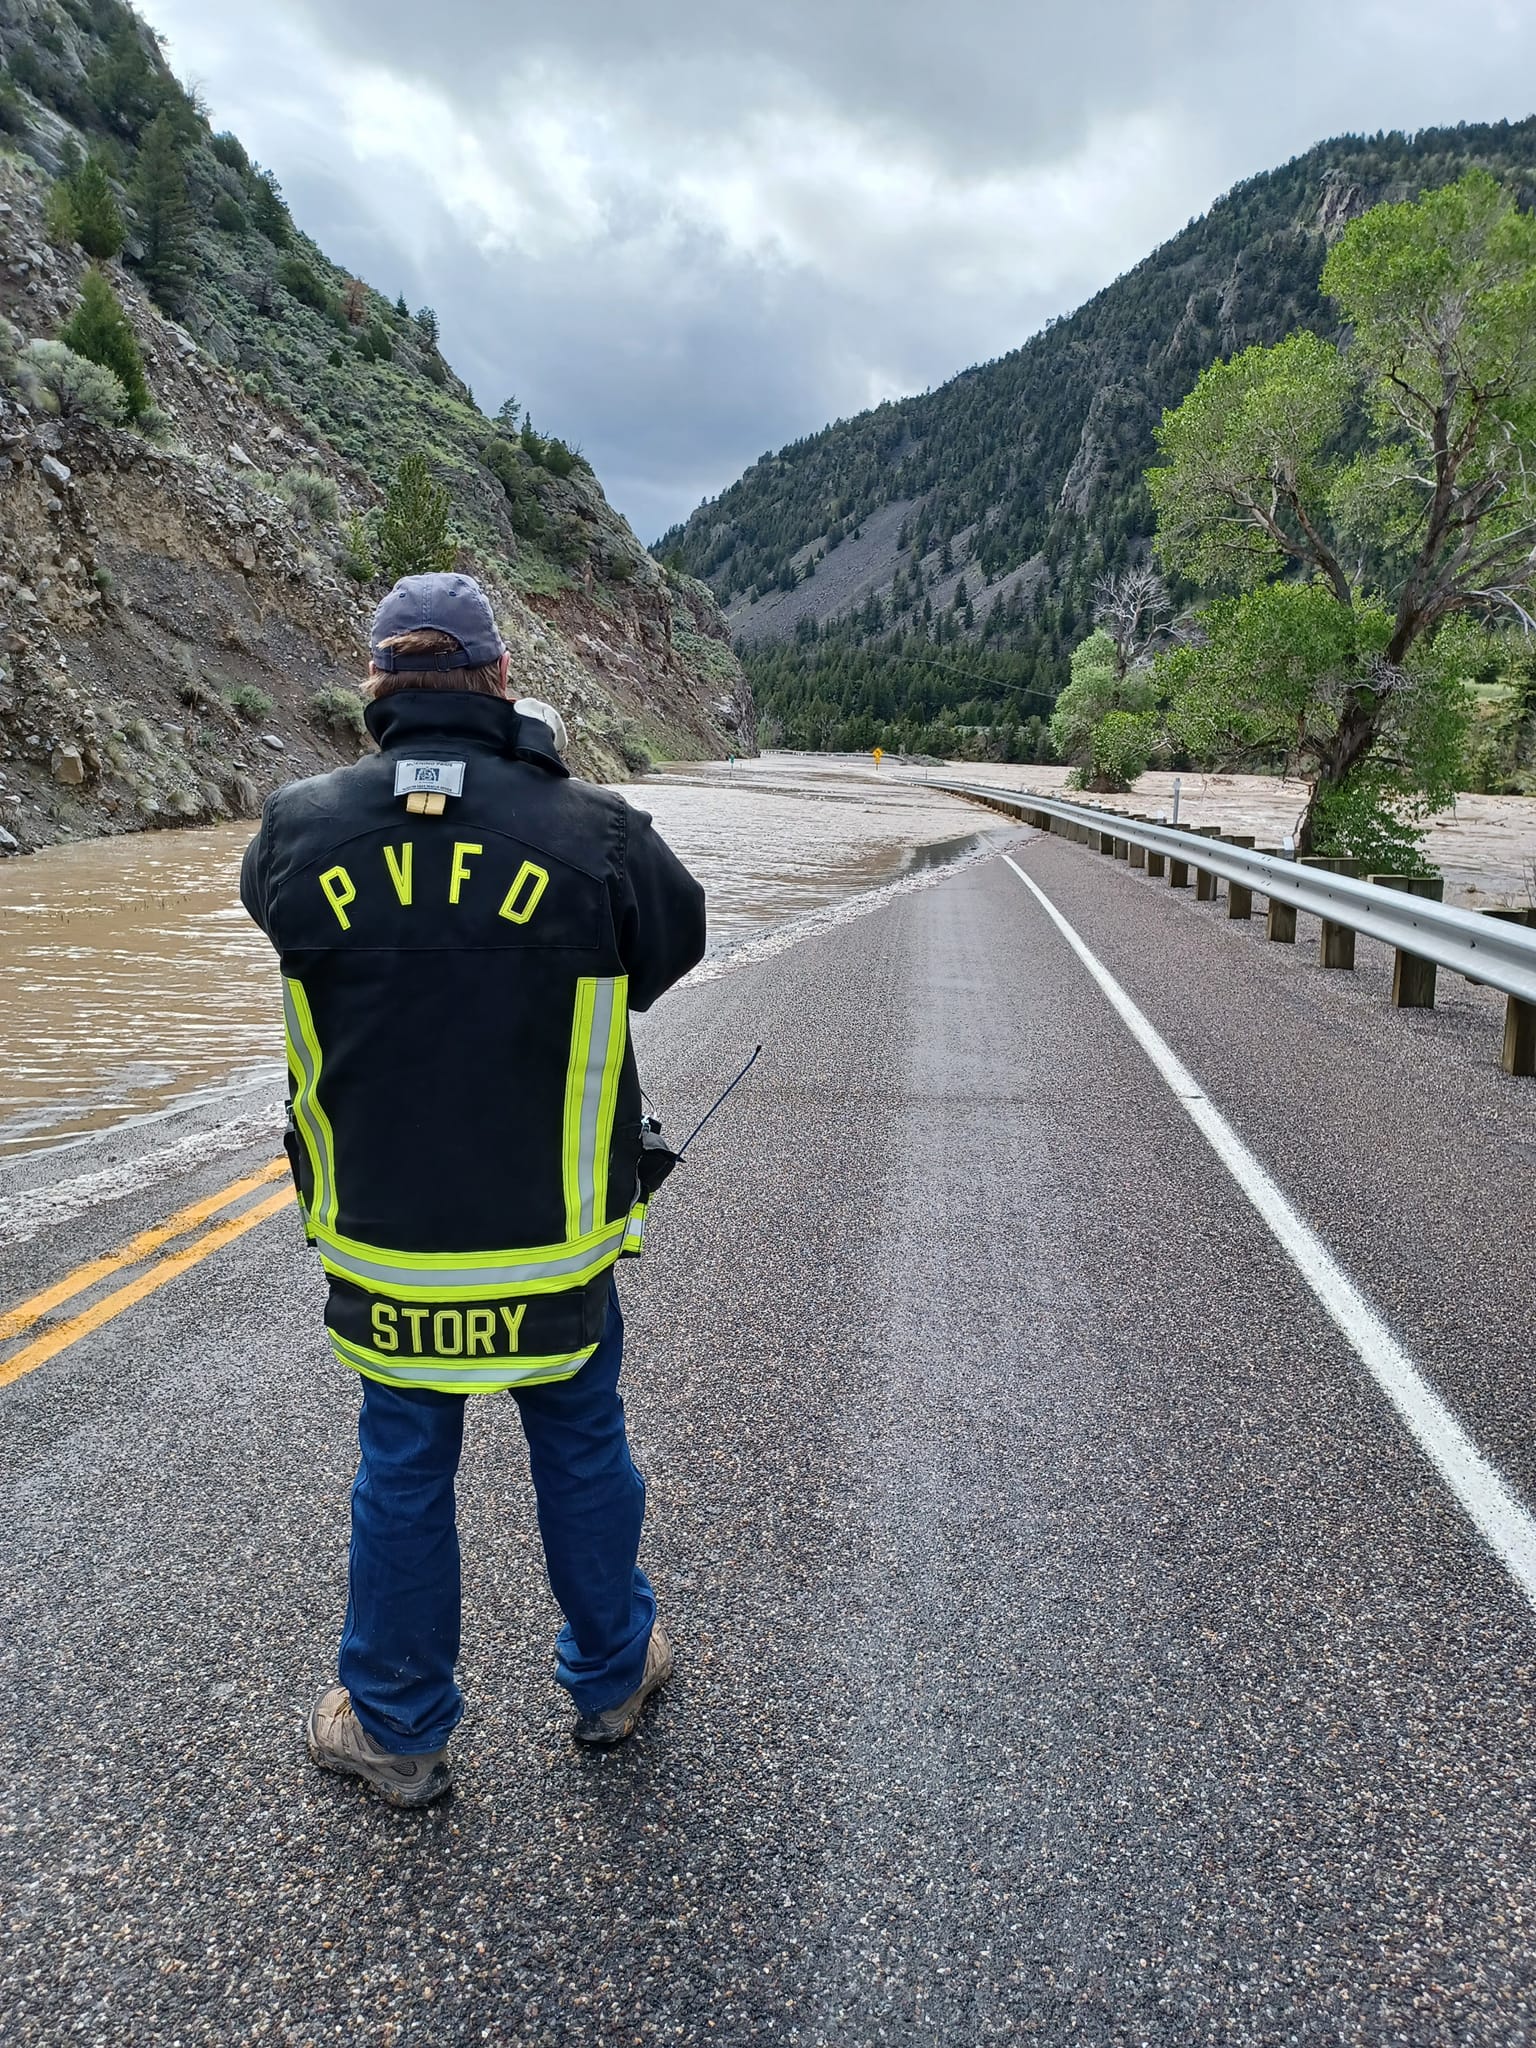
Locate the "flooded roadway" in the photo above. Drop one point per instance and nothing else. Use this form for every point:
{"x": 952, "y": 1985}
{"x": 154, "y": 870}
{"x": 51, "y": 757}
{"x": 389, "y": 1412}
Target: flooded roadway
{"x": 131, "y": 977}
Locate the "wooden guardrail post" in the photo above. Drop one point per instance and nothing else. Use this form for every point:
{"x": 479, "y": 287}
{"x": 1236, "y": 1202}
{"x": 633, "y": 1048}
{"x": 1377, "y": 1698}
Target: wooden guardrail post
{"x": 1178, "y": 872}
{"x": 1280, "y": 918}
{"x": 1205, "y": 881}
{"x": 1106, "y": 843}
{"x": 1239, "y": 894}
{"x": 1137, "y": 855}
{"x": 1519, "y": 1055}
{"x": 1413, "y": 979}
{"x": 1336, "y": 946}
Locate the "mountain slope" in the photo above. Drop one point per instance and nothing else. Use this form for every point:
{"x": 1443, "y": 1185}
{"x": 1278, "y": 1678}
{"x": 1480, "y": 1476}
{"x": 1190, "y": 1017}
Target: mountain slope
{"x": 183, "y": 606}
{"x": 978, "y": 515}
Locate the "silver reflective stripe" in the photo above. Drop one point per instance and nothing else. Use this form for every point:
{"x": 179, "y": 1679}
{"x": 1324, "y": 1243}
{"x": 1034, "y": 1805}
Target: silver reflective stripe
{"x": 443, "y": 1371}
{"x": 592, "y": 1103}
{"x": 445, "y": 1272}
{"x": 304, "y": 1106}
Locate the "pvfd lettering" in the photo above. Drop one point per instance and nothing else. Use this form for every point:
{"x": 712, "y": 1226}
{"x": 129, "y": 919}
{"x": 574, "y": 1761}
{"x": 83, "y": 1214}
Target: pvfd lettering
{"x": 398, "y": 866}
{"x": 447, "y": 1332}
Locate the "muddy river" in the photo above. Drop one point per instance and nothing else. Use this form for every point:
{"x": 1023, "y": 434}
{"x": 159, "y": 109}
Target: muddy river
{"x": 130, "y": 977}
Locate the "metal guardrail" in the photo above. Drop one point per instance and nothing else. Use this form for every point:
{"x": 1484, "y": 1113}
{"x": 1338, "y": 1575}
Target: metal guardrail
{"x": 1498, "y": 953}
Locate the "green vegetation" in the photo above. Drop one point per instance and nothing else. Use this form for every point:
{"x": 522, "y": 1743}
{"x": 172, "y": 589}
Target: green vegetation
{"x": 252, "y": 704}
{"x": 356, "y": 558}
{"x": 164, "y": 212}
{"x": 339, "y": 708}
{"x": 1369, "y": 506}
{"x": 1036, "y": 462}
{"x": 99, "y": 225}
{"x": 412, "y": 531}
{"x": 310, "y": 495}
{"x": 1105, "y": 720}
{"x": 295, "y": 276}
{"x": 71, "y": 386}
{"x": 99, "y": 330}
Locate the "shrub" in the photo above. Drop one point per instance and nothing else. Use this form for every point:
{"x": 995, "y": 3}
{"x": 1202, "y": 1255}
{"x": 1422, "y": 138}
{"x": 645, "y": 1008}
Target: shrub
{"x": 230, "y": 150}
{"x": 558, "y": 459}
{"x": 310, "y": 495}
{"x": 195, "y": 693}
{"x": 229, "y": 215}
{"x": 57, "y": 380}
{"x": 252, "y": 704}
{"x": 339, "y": 708}
{"x": 633, "y": 751}
{"x": 413, "y": 526}
{"x": 532, "y": 444}
{"x": 1366, "y": 819}
{"x": 99, "y": 330}
{"x": 434, "y": 369}
{"x": 295, "y": 276}
{"x": 356, "y": 557}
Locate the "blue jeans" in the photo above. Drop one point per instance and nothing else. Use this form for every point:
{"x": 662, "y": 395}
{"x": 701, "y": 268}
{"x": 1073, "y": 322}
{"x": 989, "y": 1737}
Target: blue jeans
{"x": 401, "y": 1640}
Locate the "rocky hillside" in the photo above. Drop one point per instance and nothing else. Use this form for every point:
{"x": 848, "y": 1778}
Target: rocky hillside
{"x": 980, "y": 514}
{"x": 183, "y": 600}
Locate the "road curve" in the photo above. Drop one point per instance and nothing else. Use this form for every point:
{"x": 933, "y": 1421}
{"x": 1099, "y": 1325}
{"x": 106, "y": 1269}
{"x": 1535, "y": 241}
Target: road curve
{"x": 1074, "y": 1646}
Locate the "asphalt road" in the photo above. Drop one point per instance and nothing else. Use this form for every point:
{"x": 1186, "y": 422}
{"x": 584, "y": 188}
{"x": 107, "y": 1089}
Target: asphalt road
{"x": 1074, "y": 1647}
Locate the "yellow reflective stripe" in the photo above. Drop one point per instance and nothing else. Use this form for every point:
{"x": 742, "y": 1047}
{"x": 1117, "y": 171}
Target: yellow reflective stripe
{"x": 482, "y": 1276}
{"x": 599, "y": 1033}
{"x": 446, "y": 1376}
{"x": 313, "y": 1123}
{"x": 634, "y": 1230}
{"x": 575, "y": 1097}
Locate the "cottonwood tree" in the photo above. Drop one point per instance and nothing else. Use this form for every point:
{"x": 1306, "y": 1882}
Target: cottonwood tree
{"x": 1105, "y": 720}
{"x": 1367, "y": 503}
{"x": 1133, "y": 607}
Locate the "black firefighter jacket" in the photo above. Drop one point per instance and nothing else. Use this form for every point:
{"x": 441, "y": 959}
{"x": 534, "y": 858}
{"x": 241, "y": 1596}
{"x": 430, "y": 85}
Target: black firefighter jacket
{"x": 462, "y": 931}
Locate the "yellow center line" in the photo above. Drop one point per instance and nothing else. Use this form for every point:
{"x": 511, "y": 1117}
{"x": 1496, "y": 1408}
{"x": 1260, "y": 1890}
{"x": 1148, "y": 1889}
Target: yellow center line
{"x": 43, "y": 1348}
{"x": 26, "y": 1313}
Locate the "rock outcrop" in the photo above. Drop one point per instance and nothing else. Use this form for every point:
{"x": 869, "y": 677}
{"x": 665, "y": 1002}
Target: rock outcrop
{"x": 181, "y": 624}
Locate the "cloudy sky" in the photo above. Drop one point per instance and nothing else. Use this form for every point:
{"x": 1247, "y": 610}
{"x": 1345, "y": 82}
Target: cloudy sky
{"x": 683, "y": 233}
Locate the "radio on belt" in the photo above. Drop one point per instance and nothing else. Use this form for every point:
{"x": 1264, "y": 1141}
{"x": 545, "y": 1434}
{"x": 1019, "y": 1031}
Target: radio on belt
{"x": 427, "y": 785}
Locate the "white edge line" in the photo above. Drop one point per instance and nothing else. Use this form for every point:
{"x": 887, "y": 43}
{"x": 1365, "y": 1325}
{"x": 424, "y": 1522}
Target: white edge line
{"x": 1505, "y": 1524}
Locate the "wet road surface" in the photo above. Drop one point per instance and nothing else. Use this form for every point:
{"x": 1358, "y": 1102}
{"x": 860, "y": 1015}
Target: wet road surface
{"x": 1073, "y": 1645}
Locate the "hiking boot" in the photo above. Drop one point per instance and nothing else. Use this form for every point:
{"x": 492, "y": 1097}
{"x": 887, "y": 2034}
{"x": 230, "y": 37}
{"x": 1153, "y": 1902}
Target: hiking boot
{"x": 338, "y": 1742}
{"x": 617, "y": 1724}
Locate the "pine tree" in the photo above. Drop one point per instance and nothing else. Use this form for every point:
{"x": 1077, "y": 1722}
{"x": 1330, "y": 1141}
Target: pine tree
{"x": 165, "y": 213}
{"x": 99, "y": 330}
{"x": 269, "y": 211}
{"x": 413, "y": 524}
{"x": 98, "y": 221}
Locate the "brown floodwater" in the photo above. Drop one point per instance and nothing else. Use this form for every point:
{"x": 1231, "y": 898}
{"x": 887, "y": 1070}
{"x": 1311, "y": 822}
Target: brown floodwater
{"x": 131, "y": 978}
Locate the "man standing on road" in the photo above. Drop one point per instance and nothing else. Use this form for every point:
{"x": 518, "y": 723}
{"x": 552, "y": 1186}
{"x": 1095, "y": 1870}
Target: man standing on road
{"x": 462, "y": 930}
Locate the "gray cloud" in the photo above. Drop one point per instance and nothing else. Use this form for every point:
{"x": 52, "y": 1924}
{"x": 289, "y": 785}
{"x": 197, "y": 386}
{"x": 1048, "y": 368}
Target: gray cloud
{"x": 686, "y": 233}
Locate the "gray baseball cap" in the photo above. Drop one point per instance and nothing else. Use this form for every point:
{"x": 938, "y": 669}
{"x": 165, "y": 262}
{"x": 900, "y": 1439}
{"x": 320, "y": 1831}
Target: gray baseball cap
{"x": 441, "y": 604}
